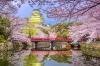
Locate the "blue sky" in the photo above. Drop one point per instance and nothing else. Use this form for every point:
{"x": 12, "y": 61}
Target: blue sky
{"x": 25, "y": 11}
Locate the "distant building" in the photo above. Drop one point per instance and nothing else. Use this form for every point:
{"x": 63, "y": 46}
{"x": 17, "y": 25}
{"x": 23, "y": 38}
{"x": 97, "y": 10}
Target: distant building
{"x": 36, "y": 18}
{"x": 34, "y": 21}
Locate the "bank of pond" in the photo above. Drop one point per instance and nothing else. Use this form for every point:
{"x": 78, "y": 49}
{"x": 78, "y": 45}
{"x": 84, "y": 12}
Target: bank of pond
{"x": 28, "y": 57}
{"x": 92, "y": 49}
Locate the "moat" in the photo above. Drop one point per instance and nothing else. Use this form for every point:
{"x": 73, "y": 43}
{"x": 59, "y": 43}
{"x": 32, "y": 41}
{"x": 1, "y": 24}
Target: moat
{"x": 29, "y": 57}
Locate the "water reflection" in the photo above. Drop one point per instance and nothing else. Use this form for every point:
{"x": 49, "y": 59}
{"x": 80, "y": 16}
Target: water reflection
{"x": 33, "y": 58}
{"x": 17, "y": 58}
{"x": 54, "y": 63}
{"x": 4, "y": 58}
{"x": 79, "y": 59}
{"x": 46, "y": 58}
{"x": 40, "y": 58}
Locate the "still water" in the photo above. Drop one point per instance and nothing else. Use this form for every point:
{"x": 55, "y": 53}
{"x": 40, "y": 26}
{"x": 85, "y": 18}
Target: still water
{"x": 30, "y": 57}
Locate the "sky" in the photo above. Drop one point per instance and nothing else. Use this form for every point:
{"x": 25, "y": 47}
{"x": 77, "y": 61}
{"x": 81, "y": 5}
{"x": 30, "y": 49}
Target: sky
{"x": 25, "y": 11}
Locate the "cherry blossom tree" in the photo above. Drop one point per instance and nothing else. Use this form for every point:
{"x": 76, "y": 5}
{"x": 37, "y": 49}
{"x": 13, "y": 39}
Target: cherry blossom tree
{"x": 18, "y": 58}
{"x": 88, "y": 26}
{"x": 62, "y": 9}
{"x": 15, "y": 28}
{"x": 40, "y": 34}
{"x": 68, "y": 9}
{"x": 6, "y": 6}
{"x": 52, "y": 35}
{"x": 74, "y": 9}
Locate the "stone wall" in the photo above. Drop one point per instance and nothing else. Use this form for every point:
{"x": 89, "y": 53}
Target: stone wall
{"x": 6, "y": 46}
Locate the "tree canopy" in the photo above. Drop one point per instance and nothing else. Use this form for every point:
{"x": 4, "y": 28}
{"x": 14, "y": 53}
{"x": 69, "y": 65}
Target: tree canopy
{"x": 75, "y": 10}
{"x": 4, "y": 24}
{"x": 62, "y": 29}
{"x": 65, "y": 8}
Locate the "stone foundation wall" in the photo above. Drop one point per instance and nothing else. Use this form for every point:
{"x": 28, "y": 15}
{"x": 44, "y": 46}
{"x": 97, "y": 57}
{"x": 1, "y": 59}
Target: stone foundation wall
{"x": 6, "y": 46}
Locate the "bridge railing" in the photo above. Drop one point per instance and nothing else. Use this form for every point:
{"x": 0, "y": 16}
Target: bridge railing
{"x": 43, "y": 39}
{"x": 52, "y": 39}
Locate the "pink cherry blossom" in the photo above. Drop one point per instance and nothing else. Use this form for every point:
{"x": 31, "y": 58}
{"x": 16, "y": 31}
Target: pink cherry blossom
{"x": 88, "y": 26}
{"x": 16, "y": 27}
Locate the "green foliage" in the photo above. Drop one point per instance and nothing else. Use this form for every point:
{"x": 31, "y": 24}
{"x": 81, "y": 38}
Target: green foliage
{"x": 62, "y": 58}
{"x": 45, "y": 31}
{"x": 45, "y": 57}
{"x": 92, "y": 49}
{"x": 62, "y": 29}
{"x": 2, "y": 38}
{"x": 29, "y": 31}
{"x": 4, "y": 56}
{"x": 30, "y": 59}
{"x": 65, "y": 34}
{"x": 4, "y": 24}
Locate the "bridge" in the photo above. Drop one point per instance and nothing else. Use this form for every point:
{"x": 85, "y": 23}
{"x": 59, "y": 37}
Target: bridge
{"x": 51, "y": 40}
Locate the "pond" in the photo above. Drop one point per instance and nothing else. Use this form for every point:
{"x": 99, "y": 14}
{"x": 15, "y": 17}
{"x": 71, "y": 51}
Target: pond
{"x": 29, "y": 57}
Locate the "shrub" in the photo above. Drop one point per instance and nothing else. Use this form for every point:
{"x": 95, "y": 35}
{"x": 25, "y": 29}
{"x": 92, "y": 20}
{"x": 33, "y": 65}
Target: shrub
{"x": 2, "y": 38}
